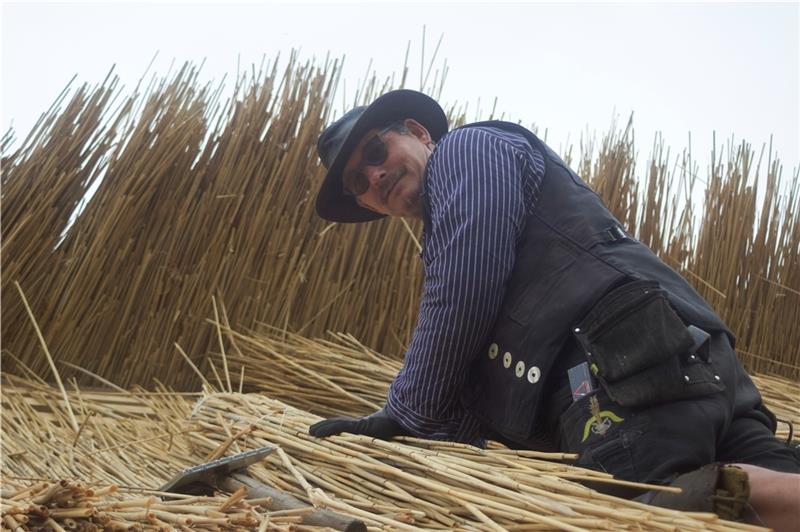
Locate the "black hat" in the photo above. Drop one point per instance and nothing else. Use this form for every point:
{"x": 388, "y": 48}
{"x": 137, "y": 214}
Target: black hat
{"x": 338, "y": 140}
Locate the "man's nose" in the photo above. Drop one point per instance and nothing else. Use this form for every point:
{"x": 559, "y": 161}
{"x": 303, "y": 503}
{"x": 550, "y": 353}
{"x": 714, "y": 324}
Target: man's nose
{"x": 375, "y": 174}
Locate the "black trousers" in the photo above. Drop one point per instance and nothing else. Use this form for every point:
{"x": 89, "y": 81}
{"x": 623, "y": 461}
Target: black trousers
{"x": 653, "y": 444}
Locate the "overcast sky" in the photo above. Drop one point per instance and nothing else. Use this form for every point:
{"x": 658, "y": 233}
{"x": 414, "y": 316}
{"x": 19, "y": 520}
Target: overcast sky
{"x": 680, "y": 68}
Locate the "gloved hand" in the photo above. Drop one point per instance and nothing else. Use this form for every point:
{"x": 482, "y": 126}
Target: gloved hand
{"x": 377, "y": 425}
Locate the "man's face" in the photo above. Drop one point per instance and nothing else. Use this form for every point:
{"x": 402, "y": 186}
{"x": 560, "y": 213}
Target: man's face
{"x": 395, "y": 184}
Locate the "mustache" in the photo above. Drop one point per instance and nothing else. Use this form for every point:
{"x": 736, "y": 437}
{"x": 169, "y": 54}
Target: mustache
{"x": 386, "y": 184}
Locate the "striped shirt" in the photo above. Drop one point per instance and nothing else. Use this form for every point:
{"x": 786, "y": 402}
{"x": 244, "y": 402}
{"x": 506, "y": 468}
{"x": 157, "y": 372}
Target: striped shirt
{"x": 480, "y": 183}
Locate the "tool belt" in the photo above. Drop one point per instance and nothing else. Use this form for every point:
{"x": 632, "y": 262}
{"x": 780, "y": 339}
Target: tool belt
{"x": 640, "y": 350}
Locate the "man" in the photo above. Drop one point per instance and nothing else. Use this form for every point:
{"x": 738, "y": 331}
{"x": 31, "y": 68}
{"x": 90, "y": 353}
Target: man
{"x": 543, "y": 324}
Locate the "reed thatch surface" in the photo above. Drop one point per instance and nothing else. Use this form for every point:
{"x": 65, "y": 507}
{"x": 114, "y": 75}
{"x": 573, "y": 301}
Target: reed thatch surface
{"x": 129, "y": 444}
{"x": 196, "y": 196}
{"x": 123, "y": 445}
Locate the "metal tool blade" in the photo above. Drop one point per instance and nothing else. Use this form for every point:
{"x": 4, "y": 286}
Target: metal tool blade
{"x": 209, "y": 472}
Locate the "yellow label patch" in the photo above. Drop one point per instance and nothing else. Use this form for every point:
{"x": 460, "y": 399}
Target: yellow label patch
{"x": 600, "y": 423}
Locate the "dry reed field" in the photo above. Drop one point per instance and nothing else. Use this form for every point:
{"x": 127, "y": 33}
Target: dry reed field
{"x": 199, "y": 195}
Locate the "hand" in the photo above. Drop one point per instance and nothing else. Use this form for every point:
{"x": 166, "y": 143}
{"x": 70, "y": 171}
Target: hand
{"x": 377, "y": 425}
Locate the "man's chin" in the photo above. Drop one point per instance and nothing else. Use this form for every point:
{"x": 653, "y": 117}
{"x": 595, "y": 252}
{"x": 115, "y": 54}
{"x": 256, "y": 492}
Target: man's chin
{"x": 404, "y": 202}
{"x": 412, "y": 208}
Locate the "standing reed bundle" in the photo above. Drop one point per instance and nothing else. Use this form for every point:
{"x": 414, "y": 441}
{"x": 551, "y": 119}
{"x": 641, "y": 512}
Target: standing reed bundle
{"x": 196, "y": 198}
{"x": 197, "y": 195}
{"x": 747, "y": 253}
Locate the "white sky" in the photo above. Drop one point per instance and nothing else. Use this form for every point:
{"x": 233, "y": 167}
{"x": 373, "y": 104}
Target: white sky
{"x": 699, "y": 68}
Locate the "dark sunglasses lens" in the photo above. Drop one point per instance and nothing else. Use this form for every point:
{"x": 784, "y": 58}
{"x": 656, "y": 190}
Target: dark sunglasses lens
{"x": 374, "y": 152}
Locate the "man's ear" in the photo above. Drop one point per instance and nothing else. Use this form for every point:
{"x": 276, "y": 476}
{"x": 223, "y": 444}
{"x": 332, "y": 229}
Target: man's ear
{"x": 419, "y": 131}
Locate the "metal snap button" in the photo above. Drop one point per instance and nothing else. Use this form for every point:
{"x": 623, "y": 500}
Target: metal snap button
{"x": 493, "y": 350}
{"x": 520, "y": 369}
{"x": 534, "y": 374}
{"x": 507, "y": 360}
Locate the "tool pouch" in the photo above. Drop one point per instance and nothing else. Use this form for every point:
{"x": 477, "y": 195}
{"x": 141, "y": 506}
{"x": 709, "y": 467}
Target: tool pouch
{"x": 641, "y": 351}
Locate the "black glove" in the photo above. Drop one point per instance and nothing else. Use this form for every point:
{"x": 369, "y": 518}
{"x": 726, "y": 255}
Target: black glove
{"x": 377, "y": 425}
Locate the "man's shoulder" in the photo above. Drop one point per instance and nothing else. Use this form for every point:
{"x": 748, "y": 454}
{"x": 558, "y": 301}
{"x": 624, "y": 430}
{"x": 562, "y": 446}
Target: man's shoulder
{"x": 489, "y": 134}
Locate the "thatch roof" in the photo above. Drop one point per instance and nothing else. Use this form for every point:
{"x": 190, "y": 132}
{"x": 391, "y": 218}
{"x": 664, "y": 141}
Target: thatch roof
{"x": 128, "y": 443}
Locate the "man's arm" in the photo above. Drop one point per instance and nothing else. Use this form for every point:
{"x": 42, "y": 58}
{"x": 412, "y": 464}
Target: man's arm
{"x": 480, "y": 184}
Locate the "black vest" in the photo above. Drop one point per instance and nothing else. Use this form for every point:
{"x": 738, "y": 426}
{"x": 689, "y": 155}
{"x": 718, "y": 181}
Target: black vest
{"x": 571, "y": 253}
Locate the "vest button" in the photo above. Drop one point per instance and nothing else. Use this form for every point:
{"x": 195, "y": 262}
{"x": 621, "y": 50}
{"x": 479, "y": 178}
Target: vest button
{"x": 507, "y": 360}
{"x": 493, "y": 349}
{"x": 534, "y": 374}
{"x": 520, "y": 369}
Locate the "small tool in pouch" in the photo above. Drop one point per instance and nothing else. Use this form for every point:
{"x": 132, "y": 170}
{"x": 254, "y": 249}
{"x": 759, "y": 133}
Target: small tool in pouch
{"x": 701, "y": 341}
{"x": 580, "y": 381}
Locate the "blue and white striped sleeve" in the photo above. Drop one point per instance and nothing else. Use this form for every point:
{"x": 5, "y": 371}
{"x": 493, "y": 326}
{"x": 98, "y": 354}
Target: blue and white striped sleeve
{"x": 479, "y": 197}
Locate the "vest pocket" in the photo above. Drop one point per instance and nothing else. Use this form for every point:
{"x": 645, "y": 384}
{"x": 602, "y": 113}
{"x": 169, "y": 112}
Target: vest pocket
{"x": 640, "y": 350}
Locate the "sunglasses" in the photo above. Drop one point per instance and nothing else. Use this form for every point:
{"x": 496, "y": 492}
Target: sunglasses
{"x": 373, "y": 153}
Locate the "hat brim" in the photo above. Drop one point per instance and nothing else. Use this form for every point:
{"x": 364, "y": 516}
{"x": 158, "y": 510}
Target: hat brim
{"x": 332, "y": 203}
